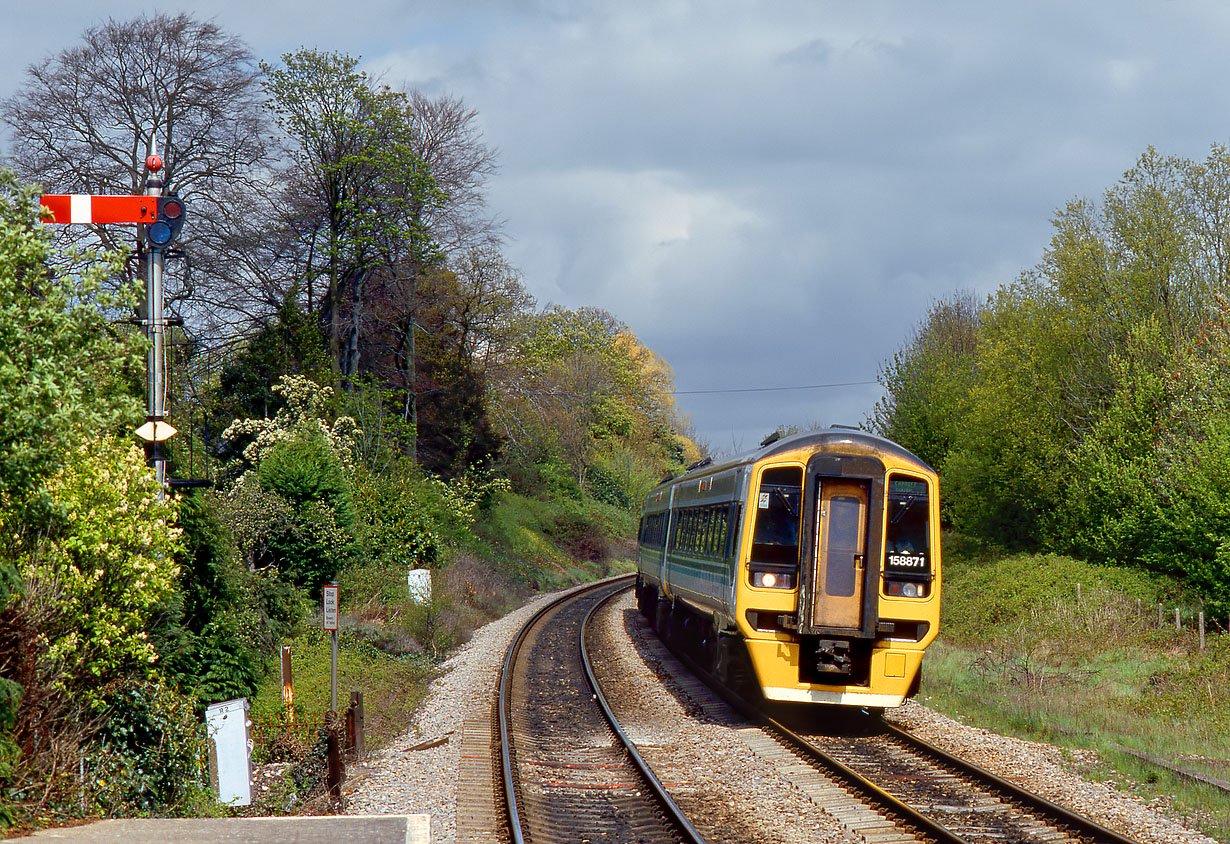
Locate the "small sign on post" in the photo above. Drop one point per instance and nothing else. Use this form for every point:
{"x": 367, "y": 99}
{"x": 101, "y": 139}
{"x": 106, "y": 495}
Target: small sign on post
{"x": 330, "y": 607}
{"x": 329, "y": 612}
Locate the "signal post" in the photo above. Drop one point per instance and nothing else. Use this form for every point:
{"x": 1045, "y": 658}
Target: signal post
{"x": 160, "y": 217}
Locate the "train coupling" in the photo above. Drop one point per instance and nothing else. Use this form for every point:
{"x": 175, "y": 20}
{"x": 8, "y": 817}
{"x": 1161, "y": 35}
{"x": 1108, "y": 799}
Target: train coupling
{"x": 833, "y": 656}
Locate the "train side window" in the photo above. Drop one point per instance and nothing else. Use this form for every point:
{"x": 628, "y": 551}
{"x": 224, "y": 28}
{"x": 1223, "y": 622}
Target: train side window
{"x": 776, "y": 535}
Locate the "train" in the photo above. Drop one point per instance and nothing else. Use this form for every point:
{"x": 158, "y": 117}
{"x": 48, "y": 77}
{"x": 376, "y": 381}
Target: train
{"x": 809, "y": 567}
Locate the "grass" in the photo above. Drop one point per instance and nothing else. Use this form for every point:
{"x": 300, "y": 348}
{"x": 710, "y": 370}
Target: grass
{"x": 1020, "y": 654}
{"x": 392, "y": 686}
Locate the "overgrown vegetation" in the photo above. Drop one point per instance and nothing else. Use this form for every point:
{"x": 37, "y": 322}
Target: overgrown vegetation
{"x": 362, "y": 382}
{"x": 1055, "y": 649}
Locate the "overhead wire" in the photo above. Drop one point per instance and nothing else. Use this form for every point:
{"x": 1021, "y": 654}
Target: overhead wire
{"x": 771, "y": 389}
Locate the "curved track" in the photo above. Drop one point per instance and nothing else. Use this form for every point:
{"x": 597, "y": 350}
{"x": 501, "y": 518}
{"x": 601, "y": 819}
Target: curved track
{"x": 569, "y": 772}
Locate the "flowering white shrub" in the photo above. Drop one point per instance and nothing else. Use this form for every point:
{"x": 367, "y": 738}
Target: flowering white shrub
{"x": 291, "y": 510}
{"x": 307, "y": 405}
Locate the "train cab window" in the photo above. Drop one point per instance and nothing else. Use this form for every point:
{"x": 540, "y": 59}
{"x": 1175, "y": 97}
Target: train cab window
{"x": 908, "y": 532}
{"x": 775, "y": 540}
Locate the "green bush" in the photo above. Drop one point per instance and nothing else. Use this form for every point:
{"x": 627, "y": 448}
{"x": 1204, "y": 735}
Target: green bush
{"x": 151, "y": 754}
{"x": 999, "y": 593}
{"x": 200, "y": 646}
{"x": 609, "y": 488}
{"x": 400, "y": 518}
{"x": 310, "y": 548}
{"x": 433, "y": 624}
{"x": 273, "y": 610}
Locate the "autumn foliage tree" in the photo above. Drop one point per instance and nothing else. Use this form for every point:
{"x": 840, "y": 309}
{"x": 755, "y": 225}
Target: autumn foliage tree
{"x": 584, "y": 406}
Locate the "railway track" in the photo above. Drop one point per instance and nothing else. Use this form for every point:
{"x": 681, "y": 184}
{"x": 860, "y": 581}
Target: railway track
{"x": 569, "y": 773}
{"x": 915, "y": 790}
{"x": 939, "y": 796}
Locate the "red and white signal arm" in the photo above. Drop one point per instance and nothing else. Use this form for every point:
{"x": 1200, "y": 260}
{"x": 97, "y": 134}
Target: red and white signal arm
{"x": 69, "y": 208}
{"x": 330, "y": 607}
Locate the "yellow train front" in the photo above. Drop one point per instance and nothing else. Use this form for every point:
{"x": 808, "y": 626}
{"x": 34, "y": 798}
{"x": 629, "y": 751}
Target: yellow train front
{"x": 812, "y": 563}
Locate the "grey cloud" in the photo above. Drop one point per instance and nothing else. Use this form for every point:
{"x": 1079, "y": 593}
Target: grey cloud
{"x": 773, "y": 194}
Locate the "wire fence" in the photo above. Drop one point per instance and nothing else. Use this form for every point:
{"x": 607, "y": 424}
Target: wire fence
{"x": 1184, "y": 621}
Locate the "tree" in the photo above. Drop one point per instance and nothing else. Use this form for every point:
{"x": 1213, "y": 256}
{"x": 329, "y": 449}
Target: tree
{"x": 443, "y": 203}
{"x": 926, "y": 383}
{"x": 87, "y": 117}
{"x": 450, "y": 145}
{"x": 286, "y": 344}
{"x": 357, "y": 178}
{"x": 62, "y": 364}
{"x": 85, "y": 561}
{"x": 582, "y": 399}
{"x": 95, "y": 567}
{"x": 1090, "y": 415}
{"x": 487, "y": 300}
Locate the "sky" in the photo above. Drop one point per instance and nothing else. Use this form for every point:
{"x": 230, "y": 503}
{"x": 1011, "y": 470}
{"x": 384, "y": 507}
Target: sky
{"x": 771, "y": 195}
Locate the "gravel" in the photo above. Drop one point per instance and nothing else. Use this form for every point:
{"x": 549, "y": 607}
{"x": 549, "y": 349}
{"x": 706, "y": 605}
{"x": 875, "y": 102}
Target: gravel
{"x": 703, "y": 755}
{"x": 402, "y": 780}
{"x": 695, "y": 745}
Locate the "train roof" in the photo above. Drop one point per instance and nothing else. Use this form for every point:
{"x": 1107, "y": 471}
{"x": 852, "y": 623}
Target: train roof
{"x": 835, "y": 435}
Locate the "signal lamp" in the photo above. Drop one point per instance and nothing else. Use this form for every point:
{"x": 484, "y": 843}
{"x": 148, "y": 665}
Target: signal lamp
{"x": 170, "y": 219}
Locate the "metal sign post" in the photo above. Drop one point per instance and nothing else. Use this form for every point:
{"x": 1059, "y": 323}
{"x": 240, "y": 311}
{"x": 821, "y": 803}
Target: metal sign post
{"x": 329, "y": 594}
{"x": 155, "y": 332}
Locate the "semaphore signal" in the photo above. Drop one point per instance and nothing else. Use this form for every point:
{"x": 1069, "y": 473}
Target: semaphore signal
{"x": 161, "y": 216}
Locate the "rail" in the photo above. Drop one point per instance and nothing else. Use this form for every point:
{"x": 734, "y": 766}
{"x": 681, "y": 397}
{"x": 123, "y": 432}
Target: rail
{"x": 892, "y": 806}
{"x": 514, "y": 810}
{"x": 690, "y": 833}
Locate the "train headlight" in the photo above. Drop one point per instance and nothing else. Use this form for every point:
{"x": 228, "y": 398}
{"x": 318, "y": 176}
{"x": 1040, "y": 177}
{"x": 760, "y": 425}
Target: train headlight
{"x": 772, "y": 579}
{"x": 905, "y": 589}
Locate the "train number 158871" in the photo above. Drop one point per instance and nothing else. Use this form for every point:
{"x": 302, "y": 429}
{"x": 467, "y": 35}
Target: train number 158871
{"x": 907, "y": 561}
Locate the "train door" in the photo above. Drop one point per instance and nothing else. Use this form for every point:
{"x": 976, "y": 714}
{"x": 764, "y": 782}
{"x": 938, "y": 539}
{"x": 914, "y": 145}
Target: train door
{"x": 841, "y": 554}
{"x": 668, "y": 539}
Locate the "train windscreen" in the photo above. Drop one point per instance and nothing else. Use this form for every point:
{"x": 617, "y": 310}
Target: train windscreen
{"x": 908, "y": 534}
{"x": 776, "y": 536}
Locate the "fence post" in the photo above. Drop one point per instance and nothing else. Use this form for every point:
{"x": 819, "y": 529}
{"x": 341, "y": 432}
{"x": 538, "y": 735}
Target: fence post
{"x": 1078, "y": 592}
{"x": 356, "y": 743}
{"x": 1159, "y": 613}
{"x": 335, "y": 772}
{"x": 1178, "y": 625}
{"x": 288, "y": 684}
{"x": 1202, "y": 630}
